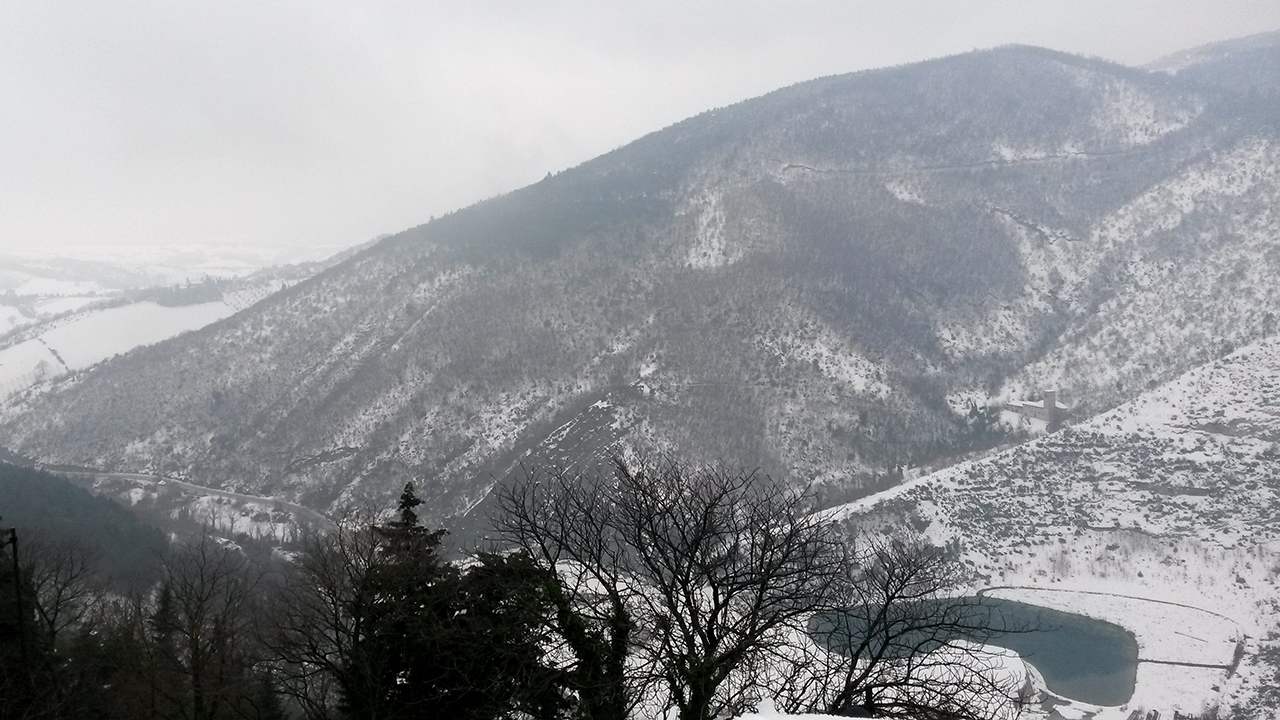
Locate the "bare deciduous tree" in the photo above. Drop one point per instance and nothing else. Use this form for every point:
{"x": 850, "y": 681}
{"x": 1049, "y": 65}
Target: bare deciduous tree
{"x": 204, "y": 627}
{"x": 702, "y": 572}
{"x": 899, "y": 640}
{"x": 317, "y": 621}
{"x": 705, "y": 591}
{"x": 64, "y": 580}
{"x": 565, "y": 525}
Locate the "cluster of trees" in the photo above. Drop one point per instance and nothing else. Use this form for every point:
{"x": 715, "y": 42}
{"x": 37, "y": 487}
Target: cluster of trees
{"x": 207, "y": 289}
{"x": 74, "y": 646}
{"x": 659, "y": 589}
{"x": 704, "y": 592}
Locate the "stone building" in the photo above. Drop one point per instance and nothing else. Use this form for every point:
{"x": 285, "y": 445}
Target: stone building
{"x": 1047, "y": 409}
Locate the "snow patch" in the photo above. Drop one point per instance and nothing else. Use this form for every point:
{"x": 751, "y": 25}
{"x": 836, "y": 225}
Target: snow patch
{"x": 844, "y": 365}
{"x": 710, "y": 249}
{"x": 1132, "y": 115}
{"x": 904, "y": 192}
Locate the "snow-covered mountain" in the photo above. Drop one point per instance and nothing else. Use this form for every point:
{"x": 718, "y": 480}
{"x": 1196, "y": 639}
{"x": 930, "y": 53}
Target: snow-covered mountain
{"x": 833, "y": 282}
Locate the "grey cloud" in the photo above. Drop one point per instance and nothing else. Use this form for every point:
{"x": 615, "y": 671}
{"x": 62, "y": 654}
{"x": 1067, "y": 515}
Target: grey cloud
{"x": 330, "y": 121}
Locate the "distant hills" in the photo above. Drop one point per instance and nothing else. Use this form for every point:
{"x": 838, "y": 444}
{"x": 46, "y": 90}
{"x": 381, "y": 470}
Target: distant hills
{"x": 834, "y": 282}
{"x": 1247, "y": 65}
{"x": 60, "y": 315}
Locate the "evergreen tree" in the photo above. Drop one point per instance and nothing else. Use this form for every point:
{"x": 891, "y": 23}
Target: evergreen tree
{"x": 492, "y": 657}
{"x": 408, "y": 501}
{"x": 404, "y": 598}
{"x": 419, "y": 637}
{"x": 267, "y": 705}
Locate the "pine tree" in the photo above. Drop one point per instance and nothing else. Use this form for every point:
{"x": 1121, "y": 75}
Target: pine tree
{"x": 408, "y": 590}
{"x": 408, "y": 501}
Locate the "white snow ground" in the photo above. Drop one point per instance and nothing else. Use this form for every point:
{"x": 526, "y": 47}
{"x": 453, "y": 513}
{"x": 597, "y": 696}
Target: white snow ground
{"x": 82, "y": 341}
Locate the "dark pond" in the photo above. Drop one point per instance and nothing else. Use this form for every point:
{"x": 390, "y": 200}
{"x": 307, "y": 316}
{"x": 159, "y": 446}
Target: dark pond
{"x": 1080, "y": 658}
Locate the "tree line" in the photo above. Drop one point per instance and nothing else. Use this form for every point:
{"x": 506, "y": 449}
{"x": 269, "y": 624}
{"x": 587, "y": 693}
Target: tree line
{"x": 659, "y": 589}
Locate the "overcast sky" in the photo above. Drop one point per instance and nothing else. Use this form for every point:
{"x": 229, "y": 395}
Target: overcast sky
{"x": 326, "y": 123}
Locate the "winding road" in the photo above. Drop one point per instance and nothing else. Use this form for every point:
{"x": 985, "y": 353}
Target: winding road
{"x": 321, "y": 520}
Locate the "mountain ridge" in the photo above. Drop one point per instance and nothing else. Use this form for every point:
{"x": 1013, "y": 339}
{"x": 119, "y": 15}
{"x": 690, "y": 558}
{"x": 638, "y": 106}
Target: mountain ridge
{"x": 833, "y": 282}
{"x": 1248, "y": 65}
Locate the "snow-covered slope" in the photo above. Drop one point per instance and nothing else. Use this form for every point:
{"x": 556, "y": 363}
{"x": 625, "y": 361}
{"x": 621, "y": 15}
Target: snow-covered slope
{"x": 1190, "y": 266}
{"x": 1173, "y": 497}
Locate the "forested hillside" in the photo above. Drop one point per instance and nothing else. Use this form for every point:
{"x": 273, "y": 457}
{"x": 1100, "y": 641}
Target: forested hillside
{"x": 50, "y": 510}
{"x": 833, "y": 282}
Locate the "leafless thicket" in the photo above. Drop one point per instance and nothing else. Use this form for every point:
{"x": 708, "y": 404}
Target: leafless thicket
{"x": 706, "y": 590}
{"x": 204, "y": 628}
{"x": 317, "y": 621}
{"x": 897, "y": 640}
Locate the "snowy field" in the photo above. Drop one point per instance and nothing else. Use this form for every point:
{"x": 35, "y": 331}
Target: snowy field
{"x": 45, "y": 285}
{"x": 1167, "y": 633}
{"x": 83, "y": 341}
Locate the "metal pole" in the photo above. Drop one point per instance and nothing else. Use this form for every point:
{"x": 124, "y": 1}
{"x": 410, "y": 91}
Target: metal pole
{"x": 17, "y": 596}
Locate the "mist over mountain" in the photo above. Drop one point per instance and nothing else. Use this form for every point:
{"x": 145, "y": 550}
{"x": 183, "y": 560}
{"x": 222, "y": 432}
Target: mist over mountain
{"x": 832, "y": 282}
{"x": 1249, "y": 65}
